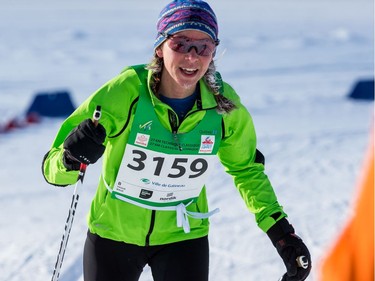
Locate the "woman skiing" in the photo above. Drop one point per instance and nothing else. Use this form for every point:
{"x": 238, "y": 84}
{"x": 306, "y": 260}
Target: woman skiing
{"x": 161, "y": 126}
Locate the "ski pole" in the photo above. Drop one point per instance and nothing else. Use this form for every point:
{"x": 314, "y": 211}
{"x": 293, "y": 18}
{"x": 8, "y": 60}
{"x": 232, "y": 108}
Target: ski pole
{"x": 301, "y": 262}
{"x": 72, "y": 210}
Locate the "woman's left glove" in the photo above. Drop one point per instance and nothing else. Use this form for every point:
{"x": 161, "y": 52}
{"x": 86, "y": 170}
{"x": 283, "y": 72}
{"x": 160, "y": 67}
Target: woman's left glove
{"x": 292, "y": 250}
{"x": 84, "y": 145}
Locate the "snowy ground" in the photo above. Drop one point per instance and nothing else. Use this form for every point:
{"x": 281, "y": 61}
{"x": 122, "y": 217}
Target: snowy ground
{"x": 292, "y": 62}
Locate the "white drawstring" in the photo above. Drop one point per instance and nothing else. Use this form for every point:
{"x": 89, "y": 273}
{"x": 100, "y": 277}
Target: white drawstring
{"x": 182, "y": 217}
{"x": 182, "y": 214}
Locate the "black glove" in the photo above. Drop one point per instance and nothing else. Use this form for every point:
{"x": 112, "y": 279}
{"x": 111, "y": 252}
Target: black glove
{"x": 84, "y": 145}
{"x": 292, "y": 250}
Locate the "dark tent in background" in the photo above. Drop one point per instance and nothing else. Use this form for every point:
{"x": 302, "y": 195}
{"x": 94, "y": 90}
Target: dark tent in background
{"x": 51, "y": 104}
{"x": 56, "y": 104}
{"x": 363, "y": 90}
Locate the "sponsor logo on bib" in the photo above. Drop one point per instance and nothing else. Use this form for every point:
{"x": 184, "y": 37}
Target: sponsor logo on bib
{"x": 145, "y": 194}
{"x": 142, "y": 139}
{"x": 207, "y": 144}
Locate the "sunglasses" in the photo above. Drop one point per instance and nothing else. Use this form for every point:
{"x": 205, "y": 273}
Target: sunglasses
{"x": 183, "y": 45}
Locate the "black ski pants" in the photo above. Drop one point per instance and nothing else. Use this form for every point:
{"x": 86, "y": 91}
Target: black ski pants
{"x": 105, "y": 260}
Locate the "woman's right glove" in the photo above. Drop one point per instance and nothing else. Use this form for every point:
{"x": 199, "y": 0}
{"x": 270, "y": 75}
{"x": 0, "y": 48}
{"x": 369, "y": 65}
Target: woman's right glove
{"x": 84, "y": 145}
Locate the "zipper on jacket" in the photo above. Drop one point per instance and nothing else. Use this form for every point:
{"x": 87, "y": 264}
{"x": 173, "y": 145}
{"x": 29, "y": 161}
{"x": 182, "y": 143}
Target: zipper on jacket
{"x": 152, "y": 223}
{"x": 128, "y": 119}
{"x": 173, "y": 121}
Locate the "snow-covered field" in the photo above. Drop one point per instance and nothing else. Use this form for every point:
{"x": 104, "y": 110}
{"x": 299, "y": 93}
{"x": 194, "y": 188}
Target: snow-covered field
{"x": 292, "y": 62}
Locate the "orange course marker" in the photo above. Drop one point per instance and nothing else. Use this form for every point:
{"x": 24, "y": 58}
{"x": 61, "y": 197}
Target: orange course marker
{"x": 352, "y": 256}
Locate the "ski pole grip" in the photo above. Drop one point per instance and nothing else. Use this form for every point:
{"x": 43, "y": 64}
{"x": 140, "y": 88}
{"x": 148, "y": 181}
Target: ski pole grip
{"x": 302, "y": 262}
{"x": 97, "y": 115}
{"x": 95, "y": 119}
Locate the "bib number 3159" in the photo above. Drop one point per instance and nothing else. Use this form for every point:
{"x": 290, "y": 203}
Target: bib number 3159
{"x": 170, "y": 166}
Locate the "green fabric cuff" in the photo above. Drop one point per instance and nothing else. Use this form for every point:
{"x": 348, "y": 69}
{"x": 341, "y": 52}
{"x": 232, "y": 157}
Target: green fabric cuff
{"x": 270, "y": 221}
{"x": 266, "y": 224}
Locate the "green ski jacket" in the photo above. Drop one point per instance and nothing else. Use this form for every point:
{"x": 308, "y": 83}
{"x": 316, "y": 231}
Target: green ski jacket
{"x": 122, "y": 221}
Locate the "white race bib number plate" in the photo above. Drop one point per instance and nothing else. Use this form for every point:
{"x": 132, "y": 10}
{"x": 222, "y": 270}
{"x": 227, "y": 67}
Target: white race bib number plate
{"x": 161, "y": 178}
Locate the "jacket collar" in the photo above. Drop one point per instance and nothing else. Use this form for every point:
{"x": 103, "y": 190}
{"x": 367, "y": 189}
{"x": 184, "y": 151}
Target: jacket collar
{"x": 206, "y": 100}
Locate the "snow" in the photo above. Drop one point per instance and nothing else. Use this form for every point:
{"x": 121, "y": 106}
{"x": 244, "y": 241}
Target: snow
{"x": 293, "y": 64}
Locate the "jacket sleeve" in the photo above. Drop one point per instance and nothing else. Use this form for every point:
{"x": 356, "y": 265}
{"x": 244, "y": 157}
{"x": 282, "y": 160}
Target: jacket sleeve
{"x": 114, "y": 97}
{"x": 237, "y": 153}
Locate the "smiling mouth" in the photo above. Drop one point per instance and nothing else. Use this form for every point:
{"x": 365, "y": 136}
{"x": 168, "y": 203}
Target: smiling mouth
{"x": 189, "y": 71}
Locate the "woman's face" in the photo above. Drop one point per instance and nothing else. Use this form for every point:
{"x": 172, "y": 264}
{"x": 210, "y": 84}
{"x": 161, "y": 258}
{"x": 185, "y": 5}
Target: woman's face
{"x": 182, "y": 72}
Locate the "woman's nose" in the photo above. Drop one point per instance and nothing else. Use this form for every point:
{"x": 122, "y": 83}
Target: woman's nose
{"x": 192, "y": 53}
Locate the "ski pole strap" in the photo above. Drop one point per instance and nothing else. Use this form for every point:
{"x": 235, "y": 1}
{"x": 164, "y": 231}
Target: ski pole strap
{"x": 181, "y": 212}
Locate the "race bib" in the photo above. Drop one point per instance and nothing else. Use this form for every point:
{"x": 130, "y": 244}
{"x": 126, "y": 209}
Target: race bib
{"x": 160, "y": 179}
